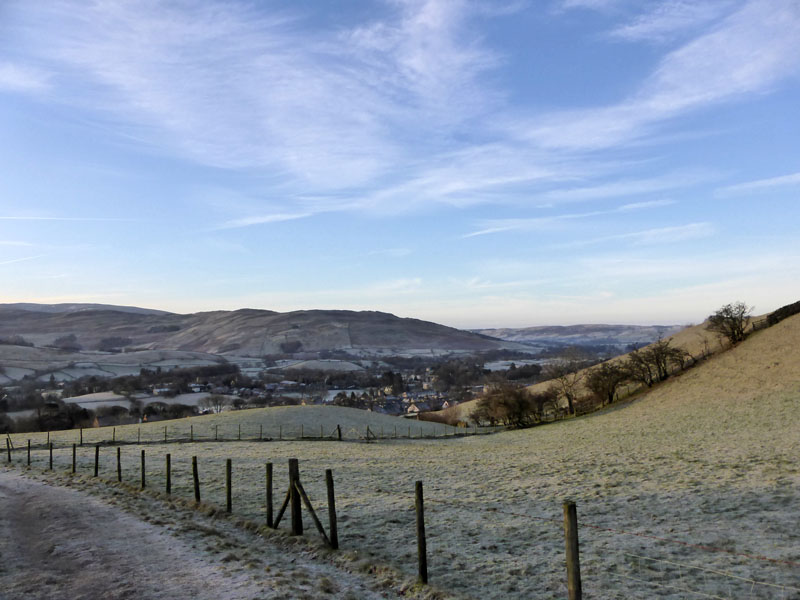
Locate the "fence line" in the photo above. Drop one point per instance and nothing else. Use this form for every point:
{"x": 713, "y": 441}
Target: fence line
{"x": 682, "y": 568}
{"x": 257, "y": 433}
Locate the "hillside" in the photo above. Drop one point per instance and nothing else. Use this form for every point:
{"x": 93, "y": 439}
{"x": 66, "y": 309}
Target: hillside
{"x": 618, "y": 336}
{"x": 696, "y": 340}
{"x": 690, "y": 485}
{"x": 245, "y": 332}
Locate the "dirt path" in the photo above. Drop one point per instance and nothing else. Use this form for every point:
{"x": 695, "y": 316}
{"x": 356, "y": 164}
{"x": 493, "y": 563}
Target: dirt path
{"x": 59, "y": 543}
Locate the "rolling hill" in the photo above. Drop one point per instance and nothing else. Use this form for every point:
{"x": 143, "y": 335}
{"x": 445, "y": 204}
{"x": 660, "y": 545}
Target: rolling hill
{"x": 247, "y": 332}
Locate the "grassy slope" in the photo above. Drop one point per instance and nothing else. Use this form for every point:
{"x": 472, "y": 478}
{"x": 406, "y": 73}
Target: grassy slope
{"x": 708, "y": 458}
{"x": 284, "y": 421}
{"x": 694, "y": 339}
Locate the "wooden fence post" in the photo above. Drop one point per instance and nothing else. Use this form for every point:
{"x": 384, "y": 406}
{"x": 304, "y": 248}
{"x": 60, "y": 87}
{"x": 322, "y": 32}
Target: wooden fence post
{"x": 74, "y": 458}
{"x": 96, "y": 459}
{"x": 422, "y": 549}
{"x": 269, "y": 494}
{"x": 113, "y": 435}
{"x": 216, "y": 431}
{"x": 280, "y": 432}
{"x": 8, "y": 449}
{"x": 48, "y": 437}
{"x": 119, "y": 464}
{"x": 321, "y": 432}
{"x": 143, "y": 471}
{"x": 228, "y": 499}
{"x": 29, "y": 453}
{"x": 260, "y": 431}
{"x": 332, "y": 525}
{"x": 294, "y": 498}
{"x": 339, "y": 432}
{"x": 196, "y": 478}
{"x": 169, "y": 474}
{"x": 301, "y": 431}
{"x": 191, "y": 433}
{"x": 165, "y": 434}
{"x": 51, "y": 456}
{"x": 139, "y": 435}
{"x": 240, "y": 432}
{"x": 573, "y": 558}
{"x": 81, "y": 436}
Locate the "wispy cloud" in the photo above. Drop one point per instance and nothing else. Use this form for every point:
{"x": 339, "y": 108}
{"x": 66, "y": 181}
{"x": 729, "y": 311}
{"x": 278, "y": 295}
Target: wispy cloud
{"x": 668, "y": 18}
{"x": 758, "y": 185}
{"x": 23, "y": 259}
{"x": 650, "y": 237}
{"x": 17, "y": 78}
{"x": 548, "y": 223}
{"x": 49, "y": 218}
{"x": 262, "y": 220}
{"x": 13, "y": 243}
{"x": 750, "y": 51}
{"x": 319, "y": 109}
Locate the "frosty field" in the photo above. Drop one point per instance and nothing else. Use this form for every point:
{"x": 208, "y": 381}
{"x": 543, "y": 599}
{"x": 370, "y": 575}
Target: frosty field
{"x": 707, "y": 463}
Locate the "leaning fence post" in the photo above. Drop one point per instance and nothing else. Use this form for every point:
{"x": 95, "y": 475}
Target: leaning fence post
{"x": 294, "y": 497}
{"x": 143, "y": 471}
{"x": 96, "y": 459}
{"x": 332, "y": 526}
{"x": 119, "y": 464}
{"x": 269, "y": 494}
{"x": 196, "y": 478}
{"x": 74, "y": 461}
{"x": 169, "y": 474}
{"x": 228, "y": 503}
{"x": 422, "y": 550}
{"x": 573, "y": 559}
{"x": 339, "y": 432}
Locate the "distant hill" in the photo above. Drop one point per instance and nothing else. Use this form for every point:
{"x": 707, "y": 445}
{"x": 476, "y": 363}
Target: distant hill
{"x": 78, "y": 307}
{"x": 245, "y": 332}
{"x": 618, "y": 336}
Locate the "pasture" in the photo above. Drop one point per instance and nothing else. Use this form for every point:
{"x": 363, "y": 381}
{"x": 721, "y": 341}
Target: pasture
{"x": 690, "y": 491}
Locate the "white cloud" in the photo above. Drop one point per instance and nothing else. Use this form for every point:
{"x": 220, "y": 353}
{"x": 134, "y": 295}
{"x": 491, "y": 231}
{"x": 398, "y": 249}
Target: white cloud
{"x": 749, "y": 52}
{"x": 262, "y": 220}
{"x": 650, "y": 237}
{"x": 551, "y": 222}
{"x": 760, "y": 185}
{"x": 666, "y": 19}
{"x": 17, "y": 78}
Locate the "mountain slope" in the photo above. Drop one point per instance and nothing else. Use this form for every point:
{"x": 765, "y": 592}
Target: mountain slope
{"x": 244, "y": 332}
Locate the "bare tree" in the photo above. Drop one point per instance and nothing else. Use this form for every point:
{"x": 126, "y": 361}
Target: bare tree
{"x": 565, "y": 377}
{"x": 604, "y": 379}
{"x": 730, "y": 321}
{"x": 214, "y": 402}
{"x": 655, "y": 363}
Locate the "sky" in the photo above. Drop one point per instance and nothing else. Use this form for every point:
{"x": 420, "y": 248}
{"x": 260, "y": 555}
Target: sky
{"x": 477, "y": 164}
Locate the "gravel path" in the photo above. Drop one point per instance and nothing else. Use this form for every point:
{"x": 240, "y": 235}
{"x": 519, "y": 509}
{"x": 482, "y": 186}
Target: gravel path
{"x": 59, "y": 543}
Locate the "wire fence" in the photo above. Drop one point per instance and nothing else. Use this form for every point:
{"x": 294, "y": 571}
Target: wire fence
{"x": 500, "y": 539}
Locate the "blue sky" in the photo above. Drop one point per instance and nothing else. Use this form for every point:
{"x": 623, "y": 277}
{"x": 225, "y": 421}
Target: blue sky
{"x": 473, "y": 163}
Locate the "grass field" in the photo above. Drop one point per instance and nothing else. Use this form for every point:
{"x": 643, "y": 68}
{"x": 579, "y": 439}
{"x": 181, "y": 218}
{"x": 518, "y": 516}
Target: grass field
{"x": 707, "y": 463}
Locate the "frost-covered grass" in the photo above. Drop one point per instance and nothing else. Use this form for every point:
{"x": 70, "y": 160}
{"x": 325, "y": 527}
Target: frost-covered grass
{"x": 708, "y": 459}
{"x": 280, "y": 422}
